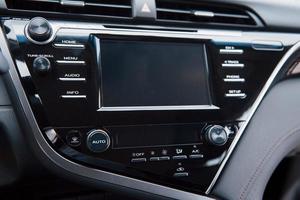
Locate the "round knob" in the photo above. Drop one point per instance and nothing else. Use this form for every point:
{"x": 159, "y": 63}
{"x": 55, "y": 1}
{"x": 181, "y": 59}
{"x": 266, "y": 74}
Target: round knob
{"x": 39, "y": 29}
{"x": 98, "y": 141}
{"x": 216, "y": 135}
{"x": 41, "y": 65}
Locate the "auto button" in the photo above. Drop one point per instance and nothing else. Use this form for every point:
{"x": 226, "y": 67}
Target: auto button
{"x": 98, "y": 141}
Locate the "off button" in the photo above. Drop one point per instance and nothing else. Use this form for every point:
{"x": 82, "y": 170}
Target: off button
{"x": 98, "y": 141}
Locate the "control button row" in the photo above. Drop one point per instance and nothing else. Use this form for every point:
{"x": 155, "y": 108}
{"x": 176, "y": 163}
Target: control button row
{"x": 165, "y": 158}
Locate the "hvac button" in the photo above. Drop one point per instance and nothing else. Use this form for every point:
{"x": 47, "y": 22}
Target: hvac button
{"x": 73, "y": 138}
{"x": 181, "y": 174}
{"x": 98, "y": 141}
{"x": 144, "y": 9}
{"x": 138, "y": 160}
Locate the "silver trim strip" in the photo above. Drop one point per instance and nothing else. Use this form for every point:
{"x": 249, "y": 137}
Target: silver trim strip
{"x": 69, "y": 62}
{"x": 235, "y": 65}
{"x": 200, "y": 13}
{"x": 252, "y": 110}
{"x": 240, "y": 95}
{"x": 241, "y": 80}
{"x": 231, "y": 51}
{"x": 146, "y": 108}
{"x": 72, "y": 3}
{"x": 72, "y": 79}
{"x": 73, "y": 96}
{"x": 60, "y": 45}
{"x": 263, "y": 45}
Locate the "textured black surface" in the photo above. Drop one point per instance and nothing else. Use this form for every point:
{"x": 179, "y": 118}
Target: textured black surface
{"x": 272, "y": 134}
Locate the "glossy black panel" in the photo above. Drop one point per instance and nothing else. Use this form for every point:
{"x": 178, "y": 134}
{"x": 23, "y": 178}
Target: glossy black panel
{"x": 168, "y": 147}
{"x": 153, "y": 73}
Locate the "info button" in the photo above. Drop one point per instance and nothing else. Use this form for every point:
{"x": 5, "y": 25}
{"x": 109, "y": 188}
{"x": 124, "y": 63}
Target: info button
{"x": 73, "y": 94}
{"x": 76, "y": 90}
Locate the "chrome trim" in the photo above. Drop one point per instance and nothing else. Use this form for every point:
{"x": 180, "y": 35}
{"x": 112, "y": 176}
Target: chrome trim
{"x": 72, "y": 3}
{"x": 72, "y": 79}
{"x": 146, "y": 108}
{"x": 199, "y": 13}
{"x": 252, "y": 110}
{"x": 241, "y": 80}
{"x": 61, "y": 45}
{"x": 71, "y": 62}
{"x": 73, "y": 96}
{"x": 234, "y": 65}
{"x": 231, "y": 51}
{"x": 240, "y": 95}
{"x": 267, "y": 45}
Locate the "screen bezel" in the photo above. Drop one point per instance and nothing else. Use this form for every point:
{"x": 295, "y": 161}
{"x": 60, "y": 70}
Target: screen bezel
{"x": 210, "y": 106}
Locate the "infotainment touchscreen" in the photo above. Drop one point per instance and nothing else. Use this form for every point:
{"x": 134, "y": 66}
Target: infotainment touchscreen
{"x": 147, "y": 73}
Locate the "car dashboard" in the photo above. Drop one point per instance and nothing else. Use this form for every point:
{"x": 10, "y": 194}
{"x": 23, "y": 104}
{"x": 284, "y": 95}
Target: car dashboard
{"x": 160, "y": 98}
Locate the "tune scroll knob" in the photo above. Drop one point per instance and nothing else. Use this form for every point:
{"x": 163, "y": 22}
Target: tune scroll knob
{"x": 41, "y": 65}
{"x": 216, "y": 135}
{"x": 98, "y": 141}
{"x": 39, "y": 30}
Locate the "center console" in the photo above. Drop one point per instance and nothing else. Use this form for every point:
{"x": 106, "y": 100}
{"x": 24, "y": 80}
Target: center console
{"x": 162, "y": 106}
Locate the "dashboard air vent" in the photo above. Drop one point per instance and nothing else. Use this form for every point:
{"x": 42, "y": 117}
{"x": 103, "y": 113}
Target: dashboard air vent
{"x": 196, "y": 13}
{"x": 110, "y": 8}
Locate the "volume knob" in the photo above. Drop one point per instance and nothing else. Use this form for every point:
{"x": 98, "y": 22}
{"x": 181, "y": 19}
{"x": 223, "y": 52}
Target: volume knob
{"x": 216, "y": 135}
{"x": 39, "y": 29}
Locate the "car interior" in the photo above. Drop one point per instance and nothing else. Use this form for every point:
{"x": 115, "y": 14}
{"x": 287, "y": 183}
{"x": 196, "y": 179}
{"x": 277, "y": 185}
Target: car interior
{"x": 149, "y": 99}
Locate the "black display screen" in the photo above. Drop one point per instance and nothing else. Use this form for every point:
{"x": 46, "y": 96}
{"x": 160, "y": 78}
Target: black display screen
{"x": 137, "y": 73}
